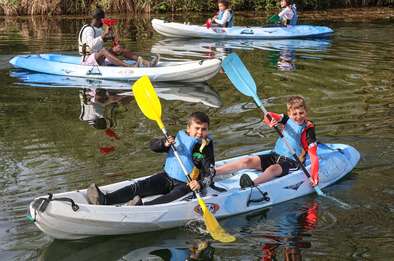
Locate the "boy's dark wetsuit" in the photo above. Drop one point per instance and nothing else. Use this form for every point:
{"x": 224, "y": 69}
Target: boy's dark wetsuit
{"x": 162, "y": 183}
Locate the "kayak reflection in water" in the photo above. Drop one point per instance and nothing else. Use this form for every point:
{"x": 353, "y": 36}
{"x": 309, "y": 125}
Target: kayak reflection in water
{"x": 294, "y": 228}
{"x": 195, "y": 148}
{"x": 91, "y": 39}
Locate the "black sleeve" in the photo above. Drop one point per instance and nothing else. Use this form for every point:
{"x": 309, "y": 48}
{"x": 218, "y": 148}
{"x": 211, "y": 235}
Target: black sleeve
{"x": 311, "y": 135}
{"x": 205, "y": 165}
{"x": 284, "y": 119}
{"x": 157, "y": 145}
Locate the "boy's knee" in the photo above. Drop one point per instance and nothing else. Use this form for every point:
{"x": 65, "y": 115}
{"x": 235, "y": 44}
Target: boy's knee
{"x": 277, "y": 170}
{"x": 248, "y": 162}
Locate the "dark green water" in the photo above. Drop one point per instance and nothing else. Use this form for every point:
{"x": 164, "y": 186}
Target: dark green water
{"x": 348, "y": 83}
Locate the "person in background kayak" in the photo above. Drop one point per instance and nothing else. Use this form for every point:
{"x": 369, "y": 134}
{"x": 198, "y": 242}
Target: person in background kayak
{"x": 195, "y": 148}
{"x": 91, "y": 39}
{"x": 224, "y": 17}
{"x": 288, "y": 15}
{"x": 299, "y": 132}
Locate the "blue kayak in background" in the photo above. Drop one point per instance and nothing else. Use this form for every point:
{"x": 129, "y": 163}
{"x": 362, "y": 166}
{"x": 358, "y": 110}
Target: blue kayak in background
{"x": 183, "y": 30}
{"x": 68, "y": 65}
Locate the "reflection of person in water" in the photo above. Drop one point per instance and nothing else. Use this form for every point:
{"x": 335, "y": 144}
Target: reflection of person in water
{"x": 99, "y": 106}
{"x": 200, "y": 250}
{"x": 291, "y": 240}
{"x": 286, "y": 60}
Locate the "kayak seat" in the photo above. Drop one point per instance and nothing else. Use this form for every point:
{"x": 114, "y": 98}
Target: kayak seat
{"x": 247, "y": 31}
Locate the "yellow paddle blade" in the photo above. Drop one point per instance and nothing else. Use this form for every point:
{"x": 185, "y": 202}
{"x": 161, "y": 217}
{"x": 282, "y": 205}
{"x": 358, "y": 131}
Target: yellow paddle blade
{"x": 147, "y": 99}
{"x": 213, "y": 227}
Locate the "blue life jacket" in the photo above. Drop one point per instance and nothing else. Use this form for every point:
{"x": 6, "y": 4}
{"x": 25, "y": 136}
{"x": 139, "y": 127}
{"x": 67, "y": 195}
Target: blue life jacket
{"x": 293, "y": 133}
{"x": 184, "y": 145}
{"x": 229, "y": 22}
{"x": 294, "y": 20}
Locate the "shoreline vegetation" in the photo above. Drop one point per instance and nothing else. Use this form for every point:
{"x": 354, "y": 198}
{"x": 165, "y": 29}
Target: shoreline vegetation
{"x": 84, "y": 7}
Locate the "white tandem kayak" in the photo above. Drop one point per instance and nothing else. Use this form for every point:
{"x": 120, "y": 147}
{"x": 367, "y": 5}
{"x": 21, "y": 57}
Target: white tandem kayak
{"x": 69, "y": 216}
{"x": 172, "y": 29}
{"x": 58, "y": 64}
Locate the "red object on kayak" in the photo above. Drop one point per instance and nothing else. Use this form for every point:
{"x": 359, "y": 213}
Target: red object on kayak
{"x": 109, "y": 21}
{"x": 208, "y": 23}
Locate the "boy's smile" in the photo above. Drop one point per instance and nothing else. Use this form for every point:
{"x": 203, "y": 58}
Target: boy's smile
{"x": 298, "y": 115}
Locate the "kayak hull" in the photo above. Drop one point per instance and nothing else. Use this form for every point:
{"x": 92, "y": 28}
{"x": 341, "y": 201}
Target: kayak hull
{"x": 60, "y": 221}
{"x": 179, "y": 30}
{"x": 191, "y": 71}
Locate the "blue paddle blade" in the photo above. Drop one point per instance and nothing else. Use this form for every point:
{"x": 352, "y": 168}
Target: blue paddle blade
{"x": 240, "y": 77}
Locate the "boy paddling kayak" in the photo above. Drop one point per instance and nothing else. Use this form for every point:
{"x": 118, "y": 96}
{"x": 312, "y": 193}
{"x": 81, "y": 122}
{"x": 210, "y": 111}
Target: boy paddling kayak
{"x": 196, "y": 150}
{"x": 300, "y": 133}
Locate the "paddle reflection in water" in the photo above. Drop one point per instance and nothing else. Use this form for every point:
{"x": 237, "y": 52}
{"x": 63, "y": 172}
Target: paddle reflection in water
{"x": 277, "y": 233}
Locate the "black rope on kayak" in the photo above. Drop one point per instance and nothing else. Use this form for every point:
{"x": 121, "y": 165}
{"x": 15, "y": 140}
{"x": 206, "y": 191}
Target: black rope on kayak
{"x": 41, "y": 204}
{"x": 90, "y": 72}
{"x": 219, "y": 189}
{"x": 245, "y": 181}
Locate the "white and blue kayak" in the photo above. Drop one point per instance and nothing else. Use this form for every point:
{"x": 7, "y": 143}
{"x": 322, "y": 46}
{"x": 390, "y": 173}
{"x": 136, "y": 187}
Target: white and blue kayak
{"x": 183, "y": 30}
{"x": 69, "y": 216}
{"x": 189, "y": 71}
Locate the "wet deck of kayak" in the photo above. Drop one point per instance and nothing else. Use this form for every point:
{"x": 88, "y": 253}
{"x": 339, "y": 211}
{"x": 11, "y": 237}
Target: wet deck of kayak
{"x": 348, "y": 82}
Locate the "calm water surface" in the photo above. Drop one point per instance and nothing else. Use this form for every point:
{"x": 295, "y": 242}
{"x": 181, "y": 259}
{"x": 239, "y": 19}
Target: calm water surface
{"x": 46, "y": 147}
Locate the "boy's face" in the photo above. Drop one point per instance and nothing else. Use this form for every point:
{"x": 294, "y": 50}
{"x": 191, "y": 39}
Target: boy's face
{"x": 97, "y": 22}
{"x": 198, "y": 130}
{"x": 298, "y": 115}
{"x": 221, "y": 7}
{"x": 283, "y": 3}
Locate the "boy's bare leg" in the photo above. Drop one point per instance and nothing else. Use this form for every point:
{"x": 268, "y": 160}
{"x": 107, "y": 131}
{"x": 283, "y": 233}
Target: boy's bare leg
{"x": 104, "y": 53}
{"x": 244, "y": 163}
{"x": 270, "y": 173}
{"x": 118, "y": 50}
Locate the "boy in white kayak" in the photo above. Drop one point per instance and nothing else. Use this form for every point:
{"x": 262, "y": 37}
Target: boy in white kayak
{"x": 195, "y": 148}
{"x": 298, "y": 131}
{"x": 91, "y": 39}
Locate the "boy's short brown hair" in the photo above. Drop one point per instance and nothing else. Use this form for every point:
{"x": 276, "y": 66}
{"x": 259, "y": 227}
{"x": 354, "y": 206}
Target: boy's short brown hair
{"x": 296, "y": 102}
{"x": 198, "y": 117}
